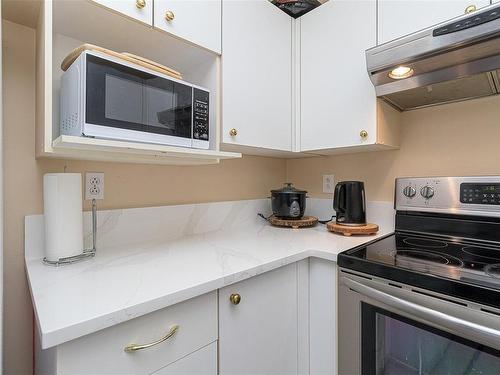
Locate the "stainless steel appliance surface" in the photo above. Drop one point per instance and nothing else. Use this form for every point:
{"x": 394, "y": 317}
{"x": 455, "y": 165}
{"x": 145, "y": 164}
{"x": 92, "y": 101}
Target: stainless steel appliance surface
{"x": 426, "y": 299}
{"x": 455, "y": 60}
{"x": 349, "y": 203}
{"x": 105, "y": 97}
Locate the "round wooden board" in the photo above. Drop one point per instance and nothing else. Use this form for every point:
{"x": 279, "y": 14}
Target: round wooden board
{"x": 348, "y": 230}
{"x": 304, "y": 222}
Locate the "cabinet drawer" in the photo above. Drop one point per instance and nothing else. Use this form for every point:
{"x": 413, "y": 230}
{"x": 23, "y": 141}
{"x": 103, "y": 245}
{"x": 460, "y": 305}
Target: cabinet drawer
{"x": 103, "y": 352}
{"x": 201, "y": 362}
{"x": 141, "y": 10}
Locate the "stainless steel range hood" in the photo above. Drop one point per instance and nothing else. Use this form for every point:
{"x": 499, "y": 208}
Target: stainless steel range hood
{"x": 453, "y": 61}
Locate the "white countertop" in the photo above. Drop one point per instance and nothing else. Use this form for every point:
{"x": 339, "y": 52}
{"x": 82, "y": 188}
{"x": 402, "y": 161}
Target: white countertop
{"x": 186, "y": 251}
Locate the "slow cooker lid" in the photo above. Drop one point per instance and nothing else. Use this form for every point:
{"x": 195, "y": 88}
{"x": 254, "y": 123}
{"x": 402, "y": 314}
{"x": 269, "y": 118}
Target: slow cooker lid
{"x": 288, "y": 188}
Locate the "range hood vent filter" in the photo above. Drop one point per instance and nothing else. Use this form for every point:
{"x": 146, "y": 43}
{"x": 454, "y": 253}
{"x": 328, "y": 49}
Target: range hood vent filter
{"x": 465, "y": 88}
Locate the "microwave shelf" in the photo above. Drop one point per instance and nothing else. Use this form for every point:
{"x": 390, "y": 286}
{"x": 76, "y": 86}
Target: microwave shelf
{"x": 82, "y": 148}
{"x": 62, "y": 26}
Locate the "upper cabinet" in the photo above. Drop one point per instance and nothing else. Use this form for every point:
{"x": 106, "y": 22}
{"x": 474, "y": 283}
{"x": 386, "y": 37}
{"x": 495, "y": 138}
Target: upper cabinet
{"x": 141, "y": 10}
{"x": 397, "y": 18}
{"x": 256, "y": 75}
{"x": 338, "y": 101}
{"x": 196, "y": 21}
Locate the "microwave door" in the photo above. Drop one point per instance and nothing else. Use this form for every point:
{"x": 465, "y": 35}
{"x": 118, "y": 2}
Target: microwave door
{"x": 169, "y": 108}
{"x": 114, "y": 95}
{"x": 128, "y": 104}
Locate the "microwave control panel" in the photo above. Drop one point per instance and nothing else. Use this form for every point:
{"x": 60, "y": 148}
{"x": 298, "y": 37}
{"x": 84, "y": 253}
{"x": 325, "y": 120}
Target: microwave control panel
{"x": 200, "y": 114}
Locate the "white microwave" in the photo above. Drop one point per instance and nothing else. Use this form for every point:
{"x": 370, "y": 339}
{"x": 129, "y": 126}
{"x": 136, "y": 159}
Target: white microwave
{"x": 105, "y": 97}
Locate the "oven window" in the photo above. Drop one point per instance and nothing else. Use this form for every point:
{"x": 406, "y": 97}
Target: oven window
{"x": 395, "y": 345}
{"x": 122, "y": 97}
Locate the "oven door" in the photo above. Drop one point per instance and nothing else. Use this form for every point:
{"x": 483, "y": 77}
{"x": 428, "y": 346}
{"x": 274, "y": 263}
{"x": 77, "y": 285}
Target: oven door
{"x": 393, "y": 329}
{"x": 125, "y": 103}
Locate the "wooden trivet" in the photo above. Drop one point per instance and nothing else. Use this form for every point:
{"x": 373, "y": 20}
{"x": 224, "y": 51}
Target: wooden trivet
{"x": 348, "y": 230}
{"x": 304, "y": 222}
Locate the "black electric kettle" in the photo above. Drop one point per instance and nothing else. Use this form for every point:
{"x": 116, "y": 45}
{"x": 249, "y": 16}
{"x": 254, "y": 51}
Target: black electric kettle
{"x": 349, "y": 203}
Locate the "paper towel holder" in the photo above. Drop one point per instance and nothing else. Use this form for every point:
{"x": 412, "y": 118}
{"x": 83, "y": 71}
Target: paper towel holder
{"x": 87, "y": 253}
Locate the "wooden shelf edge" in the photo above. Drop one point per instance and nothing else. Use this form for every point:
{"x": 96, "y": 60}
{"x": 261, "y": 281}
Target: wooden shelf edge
{"x": 130, "y": 152}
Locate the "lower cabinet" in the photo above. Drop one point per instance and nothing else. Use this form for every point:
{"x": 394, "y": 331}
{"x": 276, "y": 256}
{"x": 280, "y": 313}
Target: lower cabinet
{"x": 259, "y": 324}
{"x": 323, "y": 317}
{"x": 280, "y": 322}
{"x": 193, "y": 325}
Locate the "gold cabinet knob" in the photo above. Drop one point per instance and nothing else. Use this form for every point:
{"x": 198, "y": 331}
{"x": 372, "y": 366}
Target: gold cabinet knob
{"x": 233, "y": 132}
{"x": 470, "y": 9}
{"x": 140, "y": 4}
{"x": 169, "y": 15}
{"x": 235, "y": 299}
{"x": 363, "y": 134}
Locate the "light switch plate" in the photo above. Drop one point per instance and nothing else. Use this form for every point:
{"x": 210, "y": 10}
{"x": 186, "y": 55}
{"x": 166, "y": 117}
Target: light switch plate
{"x": 94, "y": 185}
{"x": 328, "y": 183}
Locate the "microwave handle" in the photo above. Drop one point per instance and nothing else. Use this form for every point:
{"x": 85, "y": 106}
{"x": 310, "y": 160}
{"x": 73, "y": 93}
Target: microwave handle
{"x": 489, "y": 336}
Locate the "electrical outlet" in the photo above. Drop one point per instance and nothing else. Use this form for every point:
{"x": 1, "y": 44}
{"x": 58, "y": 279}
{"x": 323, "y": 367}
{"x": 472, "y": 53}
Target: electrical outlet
{"x": 328, "y": 183}
{"x": 94, "y": 185}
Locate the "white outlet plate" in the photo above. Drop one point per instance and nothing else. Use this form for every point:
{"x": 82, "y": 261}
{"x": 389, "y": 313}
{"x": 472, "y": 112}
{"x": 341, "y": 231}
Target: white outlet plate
{"x": 94, "y": 185}
{"x": 328, "y": 183}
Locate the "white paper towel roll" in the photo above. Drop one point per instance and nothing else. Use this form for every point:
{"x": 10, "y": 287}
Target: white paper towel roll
{"x": 62, "y": 202}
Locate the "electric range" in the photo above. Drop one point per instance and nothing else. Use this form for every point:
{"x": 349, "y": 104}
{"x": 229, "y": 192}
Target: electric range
{"x": 426, "y": 299}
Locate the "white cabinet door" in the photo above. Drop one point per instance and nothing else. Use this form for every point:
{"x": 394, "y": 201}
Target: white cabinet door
{"x": 201, "y": 362}
{"x": 198, "y": 21}
{"x": 323, "y": 317}
{"x": 256, "y": 74}
{"x": 397, "y": 18}
{"x": 259, "y": 335}
{"x": 338, "y": 100}
{"x": 141, "y": 10}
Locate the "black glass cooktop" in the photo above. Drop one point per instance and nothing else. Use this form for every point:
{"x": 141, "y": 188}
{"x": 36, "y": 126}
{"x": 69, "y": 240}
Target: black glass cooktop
{"x": 469, "y": 270}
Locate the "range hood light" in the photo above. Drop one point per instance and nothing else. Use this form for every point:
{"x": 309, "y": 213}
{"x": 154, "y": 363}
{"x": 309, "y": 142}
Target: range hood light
{"x": 401, "y": 72}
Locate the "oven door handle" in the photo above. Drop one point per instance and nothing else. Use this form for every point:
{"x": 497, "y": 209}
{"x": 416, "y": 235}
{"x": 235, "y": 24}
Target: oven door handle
{"x": 487, "y": 335}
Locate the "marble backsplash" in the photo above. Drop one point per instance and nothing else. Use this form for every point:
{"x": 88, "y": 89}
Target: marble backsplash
{"x": 129, "y": 227}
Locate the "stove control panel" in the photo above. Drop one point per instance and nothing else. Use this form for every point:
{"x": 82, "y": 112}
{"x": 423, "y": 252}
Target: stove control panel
{"x": 483, "y": 193}
{"x": 478, "y": 195}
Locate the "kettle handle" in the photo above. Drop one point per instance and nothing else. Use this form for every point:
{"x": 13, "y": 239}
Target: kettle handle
{"x": 339, "y": 197}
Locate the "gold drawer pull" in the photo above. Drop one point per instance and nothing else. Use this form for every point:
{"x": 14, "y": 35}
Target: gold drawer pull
{"x": 134, "y": 347}
{"x": 470, "y": 9}
{"x": 140, "y": 4}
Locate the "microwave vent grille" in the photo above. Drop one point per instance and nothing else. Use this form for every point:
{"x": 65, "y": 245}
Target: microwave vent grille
{"x": 69, "y": 123}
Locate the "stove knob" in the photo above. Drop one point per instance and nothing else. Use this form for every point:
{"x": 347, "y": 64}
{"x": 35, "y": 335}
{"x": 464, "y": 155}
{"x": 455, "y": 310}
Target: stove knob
{"x": 409, "y": 191}
{"x": 427, "y": 192}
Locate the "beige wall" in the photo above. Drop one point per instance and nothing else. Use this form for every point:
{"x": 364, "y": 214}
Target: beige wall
{"x": 455, "y": 139}
{"x": 126, "y": 185}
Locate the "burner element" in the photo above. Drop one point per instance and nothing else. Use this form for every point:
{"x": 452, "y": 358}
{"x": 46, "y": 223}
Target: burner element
{"x": 483, "y": 252}
{"x": 424, "y": 242}
{"x": 493, "y": 270}
{"x": 432, "y": 257}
